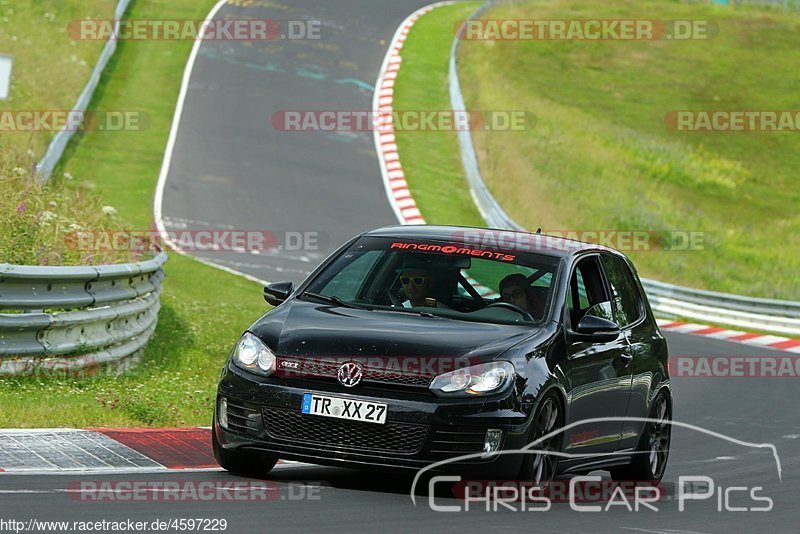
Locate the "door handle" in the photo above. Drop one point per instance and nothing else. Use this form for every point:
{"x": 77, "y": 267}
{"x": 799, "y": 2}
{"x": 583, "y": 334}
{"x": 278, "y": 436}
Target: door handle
{"x": 626, "y": 358}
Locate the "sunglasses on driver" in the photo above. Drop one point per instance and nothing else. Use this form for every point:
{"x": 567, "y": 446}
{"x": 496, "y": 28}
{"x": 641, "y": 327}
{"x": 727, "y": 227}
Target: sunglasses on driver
{"x": 515, "y": 293}
{"x": 417, "y": 280}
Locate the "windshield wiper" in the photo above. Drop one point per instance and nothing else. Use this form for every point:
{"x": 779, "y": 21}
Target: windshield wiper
{"x": 333, "y": 300}
{"x": 406, "y": 310}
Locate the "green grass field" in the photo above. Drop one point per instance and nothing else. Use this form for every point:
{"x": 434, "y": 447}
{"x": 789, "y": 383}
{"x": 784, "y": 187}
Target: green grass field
{"x": 600, "y": 156}
{"x": 203, "y": 311}
{"x": 50, "y": 69}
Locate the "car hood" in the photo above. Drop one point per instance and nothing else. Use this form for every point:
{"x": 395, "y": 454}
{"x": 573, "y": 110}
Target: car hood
{"x": 312, "y": 330}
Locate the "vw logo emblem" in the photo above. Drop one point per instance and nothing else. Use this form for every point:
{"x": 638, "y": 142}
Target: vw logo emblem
{"x": 350, "y": 374}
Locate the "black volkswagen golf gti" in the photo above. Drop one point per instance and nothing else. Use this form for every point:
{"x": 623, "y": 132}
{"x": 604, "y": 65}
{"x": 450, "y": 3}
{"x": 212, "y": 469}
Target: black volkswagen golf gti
{"x": 416, "y": 345}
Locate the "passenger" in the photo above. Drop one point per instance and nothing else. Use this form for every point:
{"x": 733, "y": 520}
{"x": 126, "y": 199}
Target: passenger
{"x": 515, "y": 289}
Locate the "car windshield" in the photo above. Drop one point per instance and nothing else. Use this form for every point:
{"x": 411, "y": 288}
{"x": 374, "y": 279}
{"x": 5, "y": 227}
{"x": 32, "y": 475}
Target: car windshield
{"x": 431, "y": 278}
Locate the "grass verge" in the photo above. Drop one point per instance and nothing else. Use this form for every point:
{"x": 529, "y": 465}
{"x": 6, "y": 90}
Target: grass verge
{"x": 431, "y": 159}
{"x": 50, "y": 69}
{"x": 600, "y": 158}
{"x": 204, "y": 310}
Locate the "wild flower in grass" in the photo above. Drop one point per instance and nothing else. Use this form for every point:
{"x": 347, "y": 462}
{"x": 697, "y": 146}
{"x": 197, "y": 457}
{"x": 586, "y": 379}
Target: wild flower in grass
{"x": 47, "y": 221}
{"x": 47, "y": 217}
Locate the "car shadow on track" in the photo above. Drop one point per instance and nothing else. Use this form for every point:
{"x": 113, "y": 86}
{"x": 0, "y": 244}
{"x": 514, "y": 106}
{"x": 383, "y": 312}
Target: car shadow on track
{"x": 396, "y": 482}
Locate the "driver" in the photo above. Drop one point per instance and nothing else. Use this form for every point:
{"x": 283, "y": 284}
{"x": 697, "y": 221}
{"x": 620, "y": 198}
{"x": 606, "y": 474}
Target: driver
{"x": 515, "y": 289}
{"x": 417, "y": 284}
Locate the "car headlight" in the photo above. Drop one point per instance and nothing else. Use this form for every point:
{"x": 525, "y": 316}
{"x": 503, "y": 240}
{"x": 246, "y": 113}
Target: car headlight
{"x": 482, "y": 379}
{"x": 252, "y": 355}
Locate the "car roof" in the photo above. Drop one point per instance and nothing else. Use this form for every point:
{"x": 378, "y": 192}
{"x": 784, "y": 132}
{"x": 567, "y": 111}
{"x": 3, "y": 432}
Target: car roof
{"x": 493, "y": 238}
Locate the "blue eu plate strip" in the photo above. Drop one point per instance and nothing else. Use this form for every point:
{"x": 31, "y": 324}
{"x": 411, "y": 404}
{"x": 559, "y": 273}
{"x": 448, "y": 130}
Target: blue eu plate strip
{"x": 306, "y": 402}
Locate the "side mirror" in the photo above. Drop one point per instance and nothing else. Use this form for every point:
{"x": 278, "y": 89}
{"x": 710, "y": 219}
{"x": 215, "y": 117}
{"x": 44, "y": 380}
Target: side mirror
{"x": 593, "y": 328}
{"x": 278, "y": 292}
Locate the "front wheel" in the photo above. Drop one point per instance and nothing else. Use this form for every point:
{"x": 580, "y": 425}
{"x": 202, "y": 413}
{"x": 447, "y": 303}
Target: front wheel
{"x": 541, "y": 467}
{"x": 650, "y": 459}
{"x": 242, "y": 463}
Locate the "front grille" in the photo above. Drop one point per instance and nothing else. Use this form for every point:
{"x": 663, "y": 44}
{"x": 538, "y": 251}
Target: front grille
{"x": 455, "y": 441}
{"x": 325, "y": 369}
{"x": 242, "y": 416}
{"x": 292, "y": 426}
{"x": 396, "y": 377}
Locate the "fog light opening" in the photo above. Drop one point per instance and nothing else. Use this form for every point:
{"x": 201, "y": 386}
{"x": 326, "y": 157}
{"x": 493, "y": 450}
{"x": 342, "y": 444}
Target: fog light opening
{"x": 492, "y": 442}
{"x": 222, "y": 413}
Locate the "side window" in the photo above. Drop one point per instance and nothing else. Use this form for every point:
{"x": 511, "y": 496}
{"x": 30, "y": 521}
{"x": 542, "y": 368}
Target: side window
{"x": 585, "y": 289}
{"x": 627, "y": 304}
{"x": 582, "y": 301}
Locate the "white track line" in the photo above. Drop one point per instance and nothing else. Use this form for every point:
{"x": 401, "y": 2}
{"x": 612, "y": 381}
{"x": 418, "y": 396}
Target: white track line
{"x": 283, "y": 465}
{"x": 165, "y": 164}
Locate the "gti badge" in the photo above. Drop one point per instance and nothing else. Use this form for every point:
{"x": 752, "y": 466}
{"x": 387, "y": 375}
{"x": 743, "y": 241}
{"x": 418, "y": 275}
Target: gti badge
{"x": 350, "y": 374}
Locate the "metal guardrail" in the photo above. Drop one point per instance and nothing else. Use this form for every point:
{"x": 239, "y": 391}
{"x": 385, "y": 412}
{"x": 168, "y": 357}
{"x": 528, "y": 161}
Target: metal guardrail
{"x": 59, "y": 142}
{"x": 490, "y": 210}
{"x": 786, "y": 4}
{"x": 668, "y": 301}
{"x": 77, "y": 318}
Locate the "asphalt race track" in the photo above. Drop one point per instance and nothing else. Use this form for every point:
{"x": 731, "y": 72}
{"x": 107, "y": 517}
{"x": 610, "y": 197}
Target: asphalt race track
{"x": 231, "y": 170}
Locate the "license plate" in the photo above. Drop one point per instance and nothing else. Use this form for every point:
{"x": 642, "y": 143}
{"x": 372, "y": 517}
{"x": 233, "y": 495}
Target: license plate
{"x": 354, "y": 410}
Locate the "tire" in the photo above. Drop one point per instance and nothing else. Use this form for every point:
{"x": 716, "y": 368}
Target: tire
{"x": 242, "y": 463}
{"x": 542, "y": 468}
{"x": 652, "y": 453}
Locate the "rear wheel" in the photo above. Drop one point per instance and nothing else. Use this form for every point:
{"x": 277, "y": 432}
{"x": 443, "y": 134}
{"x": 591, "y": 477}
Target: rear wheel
{"x": 242, "y": 463}
{"x": 541, "y": 468}
{"x": 651, "y": 456}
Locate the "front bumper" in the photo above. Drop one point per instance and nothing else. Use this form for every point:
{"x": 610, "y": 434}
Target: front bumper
{"x": 264, "y": 416}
